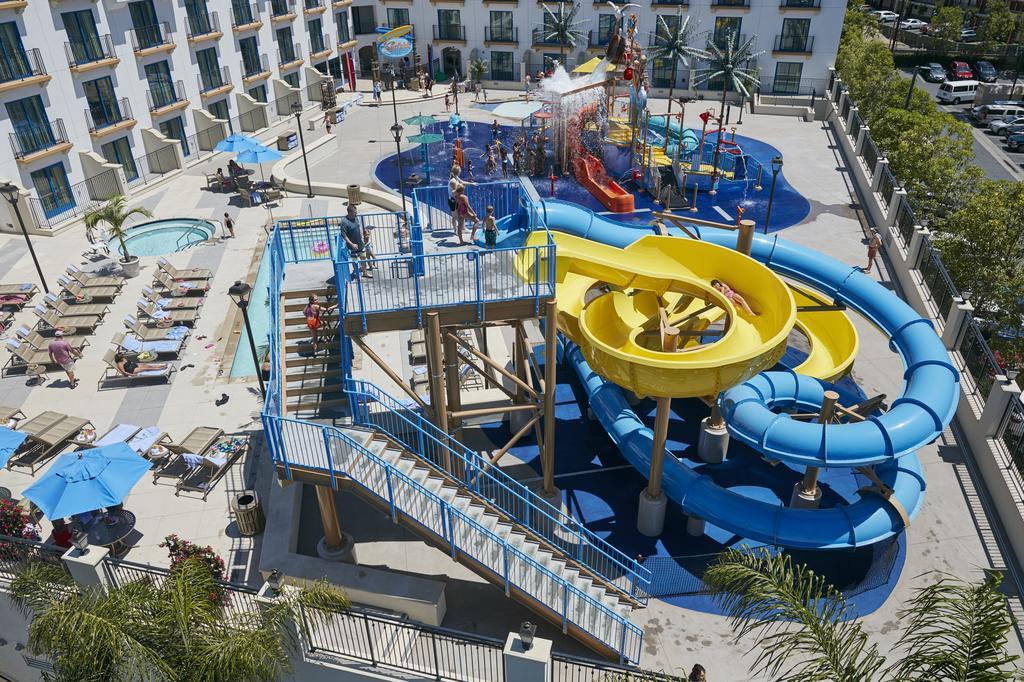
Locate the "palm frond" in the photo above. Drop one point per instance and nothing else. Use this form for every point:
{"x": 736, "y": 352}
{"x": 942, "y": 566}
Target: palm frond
{"x": 114, "y": 215}
{"x": 800, "y": 621}
{"x": 956, "y": 631}
{"x": 675, "y": 42}
{"x": 562, "y": 26}
{"x": 36, "y": 586}
{"x": 244, "y": 652}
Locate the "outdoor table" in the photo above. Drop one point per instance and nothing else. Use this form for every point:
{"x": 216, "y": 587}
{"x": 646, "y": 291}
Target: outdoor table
{"x": 145, "y": 356}
{"x": 37, "y": 374}
{"x": 104, "y": 534}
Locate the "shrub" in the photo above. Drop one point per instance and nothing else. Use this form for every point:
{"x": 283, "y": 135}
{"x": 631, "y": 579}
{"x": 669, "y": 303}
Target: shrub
{"x": 179, "y": 549}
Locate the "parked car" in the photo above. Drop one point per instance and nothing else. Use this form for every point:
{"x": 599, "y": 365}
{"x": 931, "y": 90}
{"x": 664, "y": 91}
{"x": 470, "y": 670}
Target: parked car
{"x": 886, "y": 17}
{"x": 1015, "y": 142}
{"x": 985, "y": 72}
{"x": 955, "y": 92}
{"x": 1000, "y": 125}
{"x": 959, "y": 71}
{"x": 932, "y": 72}
{"x": 1012, "y": 130}
{"x": 912, "y": 24}
{"x": 926, "y": 29}
{"x": 968, "y": 35}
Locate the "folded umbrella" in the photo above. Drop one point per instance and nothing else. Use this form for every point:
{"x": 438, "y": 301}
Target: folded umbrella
{"x": 86, "y": 480}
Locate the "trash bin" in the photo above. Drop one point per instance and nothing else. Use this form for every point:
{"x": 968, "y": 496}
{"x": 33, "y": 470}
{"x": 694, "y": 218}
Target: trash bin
{"x": 355, "y": 194}
{"x": 248, "y": 513}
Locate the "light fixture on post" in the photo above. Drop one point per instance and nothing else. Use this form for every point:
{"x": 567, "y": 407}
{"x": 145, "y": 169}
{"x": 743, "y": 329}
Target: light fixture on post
{"x": 80, "y": 541}
{"x": 526, "y": 633}
{"x": 396, "y": 131}
{"x": 776, "y": 167}
{"x": 239, "y": 292}
{"x": 297, "y": 110}
{"x": 12, "y": 193}
{"x": 275, "y": 580}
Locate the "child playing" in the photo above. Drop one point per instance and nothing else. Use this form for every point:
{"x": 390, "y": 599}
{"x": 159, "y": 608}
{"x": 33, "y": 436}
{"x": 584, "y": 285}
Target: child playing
{"x": 733, "y": 296}
{"x": 368, "y": 250}
{"x": 490, "y": 229}
{"x": 492, "y": 165}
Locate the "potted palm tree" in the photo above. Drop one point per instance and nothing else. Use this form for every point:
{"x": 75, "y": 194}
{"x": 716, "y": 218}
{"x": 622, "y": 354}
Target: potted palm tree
{"x": 114, "y": 214}
{"x": 477, "y": 69}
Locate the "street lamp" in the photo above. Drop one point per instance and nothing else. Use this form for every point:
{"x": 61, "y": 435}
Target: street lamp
{"x": 239, "y": 292}
{"x": 11, "y": 192}
{"x": 297, "y": 110}
{"x": 776, "y": 167}
{"x": 396, "y": 130}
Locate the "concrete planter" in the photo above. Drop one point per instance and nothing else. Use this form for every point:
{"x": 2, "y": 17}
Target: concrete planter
{"x": 130, "y": 266}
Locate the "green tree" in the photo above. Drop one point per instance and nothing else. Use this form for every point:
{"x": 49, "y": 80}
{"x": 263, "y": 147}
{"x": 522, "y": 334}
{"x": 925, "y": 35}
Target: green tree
{"x": 946, "y": 25}
{"x": 999, "y": 22}
{"x": 805, "y": 630}
{"x": 171, "y": 632}
{"x": 673, "y": 42}
{"x": 477, "y": 69}
{"x": 115, "y": 214}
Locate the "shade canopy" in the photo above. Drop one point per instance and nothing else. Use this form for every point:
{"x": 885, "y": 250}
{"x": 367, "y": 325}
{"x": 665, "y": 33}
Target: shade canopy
{"x": 420, "y": 120}
{"x": 591, "y": 66}
{"x": 237, "y": 143}
{"x": 87, "y": 480}
{"x": 425, "y": 138}
{"x": 517, "y": 110}
{"x": 259, "y": 154}
{"x": 10, "y": 441}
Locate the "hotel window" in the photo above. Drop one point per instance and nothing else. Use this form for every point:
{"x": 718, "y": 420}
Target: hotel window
{"x": 175, "y": 129}
{"x": 502, "y": 66}
{"x": 605, "y": 28}
{"x": 220, "y": 110}
{"x": 363, "y": 20}
{"x": 291, "y": 79}
{"x": 32, "y": 128}
{"x": 54, "y": 190}
{"x": 787, "y": 78}
{"x": 341, "y": 21}
{"x": 148, "y": 31}
{"x": 501, "y": 27}
{"x": 209, "y": 68}
{"x": 725, "y": 27}
{"x": 316, "y": 35}
{"x": 161, "y": 88}
{"x": 120, "y": 151}
{"x": 398, "y": 16}
{"x": 104, "y": 109}
{"x": 13, "y": 60}
{"x": 259, "y": 93}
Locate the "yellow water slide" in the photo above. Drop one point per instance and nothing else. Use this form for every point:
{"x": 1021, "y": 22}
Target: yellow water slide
{"x": 615, "y": 303}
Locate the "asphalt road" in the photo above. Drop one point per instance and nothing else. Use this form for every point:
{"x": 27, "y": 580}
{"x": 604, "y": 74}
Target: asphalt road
{"x": 990, "y": 153}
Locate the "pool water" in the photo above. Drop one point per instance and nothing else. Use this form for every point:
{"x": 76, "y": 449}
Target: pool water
{"x": 161, "y": 237}
{"x": 259, "y": 318}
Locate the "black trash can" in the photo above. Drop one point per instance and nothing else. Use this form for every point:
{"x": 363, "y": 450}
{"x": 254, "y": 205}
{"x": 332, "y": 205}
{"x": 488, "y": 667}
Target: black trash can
{"x": 248, "y": 513}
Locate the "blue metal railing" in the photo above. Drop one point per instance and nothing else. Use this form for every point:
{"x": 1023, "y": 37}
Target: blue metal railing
{"x": 328, "y": 449}
{"x": 430, "y": 204}
{"x": 420, "y": 436}
{"x": 312, "y": 239}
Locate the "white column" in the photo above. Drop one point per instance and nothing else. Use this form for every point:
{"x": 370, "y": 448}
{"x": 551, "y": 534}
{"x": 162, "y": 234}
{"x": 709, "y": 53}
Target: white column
{"x": 87, "y": 567}
{"x": 848, "y": 126}
{"x": 858, "y": 144}
{"x": 532, "y": 665}
{"x": 899, "y": 195}
{"x": 916, "y": 243}
{"x": 1001, "y": 398}
{"x": 956, "y": 324}
{"x": 876, "y": 179}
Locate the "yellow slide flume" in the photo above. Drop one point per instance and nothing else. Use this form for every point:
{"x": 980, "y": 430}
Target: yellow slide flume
{"x": 831, "y": 337}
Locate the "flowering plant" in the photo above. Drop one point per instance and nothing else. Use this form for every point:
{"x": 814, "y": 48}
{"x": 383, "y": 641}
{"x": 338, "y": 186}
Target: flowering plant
{"x": 15, "y": 521}
{"x": 179, "y": 549}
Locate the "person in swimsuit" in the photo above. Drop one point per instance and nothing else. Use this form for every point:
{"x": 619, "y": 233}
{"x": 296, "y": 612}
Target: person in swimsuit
{"x": 874, "y": 246}
{"x": 129, "y": 367}
{"x": 463, "y": 212}
{"x": 732, "y": 295}
{"x": 314, "y": 313}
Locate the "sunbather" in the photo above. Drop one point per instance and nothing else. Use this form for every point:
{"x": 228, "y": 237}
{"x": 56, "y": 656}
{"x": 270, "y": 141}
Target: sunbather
{"x": 129, "y": 367}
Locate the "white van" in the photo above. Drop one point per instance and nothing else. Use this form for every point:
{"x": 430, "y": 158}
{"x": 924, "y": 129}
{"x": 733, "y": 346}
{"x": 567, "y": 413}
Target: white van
{"x": 1003, "y": 109}
{"x": 956, "y": 92}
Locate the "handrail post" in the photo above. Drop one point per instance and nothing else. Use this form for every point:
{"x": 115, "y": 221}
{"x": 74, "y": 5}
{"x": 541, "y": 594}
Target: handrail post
{"x": 369, "y": 640}
{"x": 565, "y": 606}
{"x": 451, "y": 529}
{"x": 391, "y": 495}
{"x": 479, "y": 289}
{"x": 330, "y": 460}
{"x": 504, "y": 553}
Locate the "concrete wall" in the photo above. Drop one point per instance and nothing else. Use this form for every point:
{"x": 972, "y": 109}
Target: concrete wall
{"x": 14, "y": 656}
{"x": 981, "y": 419}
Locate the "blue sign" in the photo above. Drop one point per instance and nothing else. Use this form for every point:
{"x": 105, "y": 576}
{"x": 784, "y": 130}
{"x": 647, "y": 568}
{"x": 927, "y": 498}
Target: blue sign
{"x": 396, "y": 43}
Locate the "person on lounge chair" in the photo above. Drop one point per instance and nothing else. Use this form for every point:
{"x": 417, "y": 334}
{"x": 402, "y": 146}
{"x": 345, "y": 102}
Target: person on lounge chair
{"x": 129, "y": 367}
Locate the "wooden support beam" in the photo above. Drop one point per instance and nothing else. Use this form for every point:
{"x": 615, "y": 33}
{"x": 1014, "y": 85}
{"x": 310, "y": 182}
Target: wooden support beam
{"x": 514, "y": 439}
{"x": 828, "y": 403}
{"x": 550, "y": 358}
{"x": 486, "y": 375}
{"x": 329, "y": 517}
{"x": 453, "y": 386}
{"x": 435, "y": 371}
{"x": 669, "y": 342}
{"x": 484, "y": 411}
{"x": 391, "y": 374}
{"x": 492, "y": 364}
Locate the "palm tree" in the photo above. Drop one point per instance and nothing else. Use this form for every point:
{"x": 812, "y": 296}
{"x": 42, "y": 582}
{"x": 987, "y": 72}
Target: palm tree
{"x": 953, "y": 630}
{"x": 563, "y": 27}
{"x": 673, "y": 44}
{"x": 115, "y": 215}
{"x": 176, "y": 630}
{"x": 724, "y": 62}
{"x": 477, "y": 69}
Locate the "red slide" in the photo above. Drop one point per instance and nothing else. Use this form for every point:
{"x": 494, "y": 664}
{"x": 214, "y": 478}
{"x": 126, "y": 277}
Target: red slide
{"x": 590, "y": 173}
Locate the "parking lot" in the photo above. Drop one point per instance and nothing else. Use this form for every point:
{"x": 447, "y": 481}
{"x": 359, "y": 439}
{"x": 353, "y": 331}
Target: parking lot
{"x": 990, "y": 151}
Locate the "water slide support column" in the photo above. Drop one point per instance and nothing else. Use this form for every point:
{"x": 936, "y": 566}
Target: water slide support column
{"x": 435, "y": 369}
{"x": 550, "y": 492}
{"x": 650, "y": 518}
{"x": 806, "y": 493}
{"x": 452, "y": 385}
{"x": 335, "y": 545}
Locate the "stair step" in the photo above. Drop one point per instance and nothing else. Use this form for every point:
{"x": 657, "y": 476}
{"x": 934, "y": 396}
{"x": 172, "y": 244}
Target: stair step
{"x": 313, "y": 390}
{"x": 315, "y": 375}
{"x": 294, "y": 360}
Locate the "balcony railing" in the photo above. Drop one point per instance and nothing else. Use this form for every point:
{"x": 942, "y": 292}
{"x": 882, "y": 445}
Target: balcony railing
{"x": 286, "y": 55}
{"x": 30, "y": 138}
{"x": 106, "y": 113}
{"x": 308, "y": 5}
{"x": 449, "y": 32}
{"x": 672, "y": 3}
{"x": 598, "y": 40}
{"x": 203, "y": 25}
{"x": 800, "y": 4}
{"x": 281, "y": 8}
{"x": 243, "y": 14}
{"x": 211, "y": 80}
{"x": 165, "y": 94}
{"x": 730, "y": 3}
{"x": 146, "y": 37}
{"x": 501, "y": 34}
{"x": 261, "y": 66}
{"x": 14, "y": 67}
{"x": 801, "y": 44}
{"x": 722, "y": 39}
{"x": 93, "y": 49}
{"x": 318, "y": 44}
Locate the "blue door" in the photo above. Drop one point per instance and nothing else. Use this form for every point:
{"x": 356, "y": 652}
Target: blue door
{"x": 83, "y": 36}
{"x": 54, "y": 190}
{"x": 32, "y": 129}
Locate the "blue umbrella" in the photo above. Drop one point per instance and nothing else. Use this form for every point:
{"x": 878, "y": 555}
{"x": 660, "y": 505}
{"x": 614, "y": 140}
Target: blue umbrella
{"x": 86, "y": 480}
{"x": 10, "y": 441}
{"x": 237, "y": 143}
{"x": 259, "y": 155}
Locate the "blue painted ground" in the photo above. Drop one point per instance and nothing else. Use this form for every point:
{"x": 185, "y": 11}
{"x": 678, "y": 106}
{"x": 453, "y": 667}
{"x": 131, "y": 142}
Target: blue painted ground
{"x": 789, "y": 206}
{"x": 601, "y": 490}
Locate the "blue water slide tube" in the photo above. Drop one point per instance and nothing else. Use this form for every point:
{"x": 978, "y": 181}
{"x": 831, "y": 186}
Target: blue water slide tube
{"x": 691, "y": 140}
{"x": 928, "y": 402}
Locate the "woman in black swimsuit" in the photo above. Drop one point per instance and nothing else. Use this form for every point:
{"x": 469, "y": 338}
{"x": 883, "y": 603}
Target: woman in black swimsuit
{"x": 129, "y": 367}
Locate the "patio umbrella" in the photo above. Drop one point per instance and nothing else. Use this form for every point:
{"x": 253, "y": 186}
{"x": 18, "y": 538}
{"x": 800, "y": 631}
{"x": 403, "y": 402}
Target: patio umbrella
{"x": 82, "y": 481}
{"x": 260, "y": 155}
{"x": 424, "y": 139}
{"x": 237, "y": 143}
{"x": 10, "y": 441}
{"x": 421, "y": 120}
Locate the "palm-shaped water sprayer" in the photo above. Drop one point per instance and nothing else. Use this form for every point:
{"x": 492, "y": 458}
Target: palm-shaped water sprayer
{"x": 563, "y": 27}
{"x": 726, "y": 62}
{"x": 673, "y": 42}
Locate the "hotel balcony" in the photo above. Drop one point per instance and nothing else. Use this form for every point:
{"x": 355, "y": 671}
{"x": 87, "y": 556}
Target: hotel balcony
{"x": 204, "y": 27}
{"x": 93, "y": 53}
{"x": 35, "y": 141}
{"x": 166, "y": 97}
{"x": 214, "y": 83}
{"x": 153, "y": 39}
{"x": 20, "y": 70}
{"x": 245, "y": 17}
{"x": 109, "y": 116}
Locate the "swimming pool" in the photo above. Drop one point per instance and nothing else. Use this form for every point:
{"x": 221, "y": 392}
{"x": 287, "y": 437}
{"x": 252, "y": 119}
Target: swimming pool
{"x": 259, "y": 319}
{"x": 161, "y": 237}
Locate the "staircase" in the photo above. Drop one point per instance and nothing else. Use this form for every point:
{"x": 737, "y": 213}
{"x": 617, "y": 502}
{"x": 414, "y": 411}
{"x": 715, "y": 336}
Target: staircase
{"x": 312, "y": 385}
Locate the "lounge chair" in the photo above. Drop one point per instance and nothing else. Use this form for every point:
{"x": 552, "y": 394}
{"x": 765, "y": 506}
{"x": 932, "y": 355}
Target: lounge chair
{"x": 26, "y": 289}
{"x": 51, "y": 319}
{"x": 48, "y": 434}
{"x": 174, "y": 288}
{"x": 107, "y": 292}
{"x": 40, "y": 342}
{"x": 203, "y": 475}
{"x": 184, "y": 273}
{"x": 157, "y": 314}
{"x": 9, "y": 415}
{"x": 165, "y": 347}
{"x": 176, "y": 303}
{"x": 90, "y": 280}
{"x": 144, "y": 333}
{"x": 23, "y": 354}
{"x": 6, "y": 319}
{"x": 118, "y": 433}
{"x": 66, "y": 308}
{"x": 143, "y": 442}
{"x": 111, "y": 373}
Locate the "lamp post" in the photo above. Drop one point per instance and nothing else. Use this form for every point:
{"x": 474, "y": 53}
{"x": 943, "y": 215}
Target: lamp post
{"x": 239, "y": 292}
{"x": 10, "y": 192}
{"x": 297, "y": 110}
{"x": 397, "y": 130}
{"x": 776, "y": 167}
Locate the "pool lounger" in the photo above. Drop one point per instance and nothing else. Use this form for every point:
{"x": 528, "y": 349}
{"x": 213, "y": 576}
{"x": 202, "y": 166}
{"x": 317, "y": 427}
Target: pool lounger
{"x": 89, "y": 280}
{"x": 174, "y": 303}
{"x": 176, "y": 289}
{"x": 51, "y": 319}
{"x": 157, "y": 314}
{"x": 183, "y": 273}
{"x": 40, "y": 342}
{"x": 112, "y": 374}
{"x": 144, "y": 333}
{"x": 104, "y": 292}
{"x": 130, "y": 344}
{"x": 47, "y": 434}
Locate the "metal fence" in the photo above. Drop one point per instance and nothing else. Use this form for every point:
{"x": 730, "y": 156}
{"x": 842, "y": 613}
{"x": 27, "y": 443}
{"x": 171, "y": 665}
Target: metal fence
{"x": 389, "y": 642}
{"x": 152, "y": 166}
{"x": 55, "y": 208}
{"x": 430, "y": 204}
{"x": 565, "y": 668}
{"x": 311, "y": 239}
{"x": 1013, "y": 436}
{"x": 855, "y": 125}
{"x": 886, "y": 186}
{"x": 935, "y": 276}
{"x": 17, "y": 553}
{"x": 979, "y": 361}
{"x": 235, "y": 598}
{"x": 905, "y": 222}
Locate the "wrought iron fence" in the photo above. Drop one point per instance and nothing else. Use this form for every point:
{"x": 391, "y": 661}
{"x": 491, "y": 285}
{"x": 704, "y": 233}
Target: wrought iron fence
{"x": 17, "y": 553}
{"x": 870, "y": 153}
{"x": 388, "y": 642}
{"x": 54, "y": 208}
{"x": 905, "y": 222}
{"x": 20, "y": 65}
{"x": 565, "y": 668}
{"x": 1013, "y": 436}
{"x": 937, "y": 279}
{"x": 855, "y": 125}
{"x": 847, "y": 105}
{"x": 233, "y": 597}
{"x": 979, "y": 361}
{"x": 886, "y": 186}
{"x": 152, "y": 166}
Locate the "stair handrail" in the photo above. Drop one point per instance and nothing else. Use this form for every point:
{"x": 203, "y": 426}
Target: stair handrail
{"x": 475, "y": 472}
{"x": 630, "y": 635}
